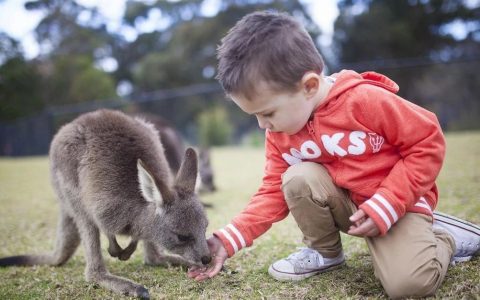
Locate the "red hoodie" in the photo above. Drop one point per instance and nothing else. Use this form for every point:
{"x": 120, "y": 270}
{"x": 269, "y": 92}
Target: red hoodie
{"x": 385, "y": 150}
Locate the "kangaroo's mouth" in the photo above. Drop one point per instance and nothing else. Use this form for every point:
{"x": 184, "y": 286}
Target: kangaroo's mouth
{"x": 185, "y": 261}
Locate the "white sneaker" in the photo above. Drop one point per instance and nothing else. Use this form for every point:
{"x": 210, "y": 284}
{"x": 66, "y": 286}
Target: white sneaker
{"x": 303, "y": 264}
{"x": 465, "y": 234}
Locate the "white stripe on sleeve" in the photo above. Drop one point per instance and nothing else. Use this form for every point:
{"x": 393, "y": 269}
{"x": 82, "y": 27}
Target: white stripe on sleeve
{"x": 419, "y": 204}
{"x": 380, "y": 212}
{"x": 230, "y": 239}
{"x": 387, "y": 205}
{"x": 238, "y": 234}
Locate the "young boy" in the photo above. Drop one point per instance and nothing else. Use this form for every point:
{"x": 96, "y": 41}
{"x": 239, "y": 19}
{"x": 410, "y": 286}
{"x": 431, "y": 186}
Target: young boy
{"x": 344, "y": 153}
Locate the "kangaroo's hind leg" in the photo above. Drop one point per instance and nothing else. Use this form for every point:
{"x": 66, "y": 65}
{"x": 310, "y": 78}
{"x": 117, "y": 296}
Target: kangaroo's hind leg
{"x": 96, "y": 271}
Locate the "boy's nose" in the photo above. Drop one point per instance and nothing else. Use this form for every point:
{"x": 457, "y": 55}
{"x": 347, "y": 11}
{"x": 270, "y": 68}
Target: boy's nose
{"x": 206, "y": 260}
{"x": 263, "y": 124}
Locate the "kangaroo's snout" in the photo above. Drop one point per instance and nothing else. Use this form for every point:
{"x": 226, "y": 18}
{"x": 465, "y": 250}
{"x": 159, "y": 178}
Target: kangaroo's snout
{"x": 206, "y": 259}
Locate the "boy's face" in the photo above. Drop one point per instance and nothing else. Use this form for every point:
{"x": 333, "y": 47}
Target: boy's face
{"x": 286, "y": 112}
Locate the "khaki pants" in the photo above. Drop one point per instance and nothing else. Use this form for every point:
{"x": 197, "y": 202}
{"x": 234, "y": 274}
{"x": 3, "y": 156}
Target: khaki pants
{"x": 410, "y": 260}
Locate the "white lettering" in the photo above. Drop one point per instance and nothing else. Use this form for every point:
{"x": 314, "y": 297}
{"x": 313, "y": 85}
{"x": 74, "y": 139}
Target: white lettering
{"x": 331, "y": 144}
{"x": 310, "y": 150}
{"x": 291, "y": 160}
{"x": 358, "y": 146}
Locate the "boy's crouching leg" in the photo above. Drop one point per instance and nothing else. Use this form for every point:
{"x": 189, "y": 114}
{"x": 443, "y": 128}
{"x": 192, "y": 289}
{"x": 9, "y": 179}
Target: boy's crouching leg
{"x": 319, "y": 207}
{"x": 411, "y": 260}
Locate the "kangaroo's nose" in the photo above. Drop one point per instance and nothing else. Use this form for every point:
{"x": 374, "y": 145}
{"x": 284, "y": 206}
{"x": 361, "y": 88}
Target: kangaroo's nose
{"x": 206, "y": 260}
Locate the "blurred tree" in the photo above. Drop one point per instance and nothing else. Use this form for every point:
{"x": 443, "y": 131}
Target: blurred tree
{"x": 74, "y": 79}
{"x": 382, "y": 29}
{"x": 70, "y": 29}
{"x": 19, "y": 89}
{"x": 184, "y": 52}
{"x": 9, "y": 48}
{"x": 214, "y": 127}
{"x": 406, "y": 40}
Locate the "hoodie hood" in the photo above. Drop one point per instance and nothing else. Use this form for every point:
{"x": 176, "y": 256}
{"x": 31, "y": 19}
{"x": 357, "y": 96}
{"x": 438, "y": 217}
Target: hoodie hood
{"x": 347, "y": 79}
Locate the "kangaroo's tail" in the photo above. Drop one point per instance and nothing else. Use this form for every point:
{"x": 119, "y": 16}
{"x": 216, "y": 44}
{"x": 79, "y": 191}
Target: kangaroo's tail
{"x": 26, "y": 260}
{"x": 68, "y": 239}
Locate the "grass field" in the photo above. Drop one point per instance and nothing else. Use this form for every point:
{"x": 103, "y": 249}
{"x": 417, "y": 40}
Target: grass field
{"x": 28, "y": 214}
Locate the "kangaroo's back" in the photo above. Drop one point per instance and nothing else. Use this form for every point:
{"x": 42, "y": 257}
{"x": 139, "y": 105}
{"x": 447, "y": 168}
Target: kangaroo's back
{"x": 95, "y": 157}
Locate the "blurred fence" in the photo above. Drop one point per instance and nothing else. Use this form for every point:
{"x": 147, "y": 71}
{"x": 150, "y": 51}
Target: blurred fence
{"x": 180, "y": 107}
{"x": 449, "y": 88}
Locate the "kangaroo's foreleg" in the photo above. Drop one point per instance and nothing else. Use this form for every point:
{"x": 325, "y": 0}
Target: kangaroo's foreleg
{"x": 116, "y": 251}
{"x": 114, "y": 248}
{"x": 67, "y": 241}
{"x": 96, "y": 271}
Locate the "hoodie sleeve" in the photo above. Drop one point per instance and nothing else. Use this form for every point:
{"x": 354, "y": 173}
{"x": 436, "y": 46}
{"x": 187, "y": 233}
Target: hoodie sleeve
{"x": 265, "y": 207}
{"x": 418, "y": 137}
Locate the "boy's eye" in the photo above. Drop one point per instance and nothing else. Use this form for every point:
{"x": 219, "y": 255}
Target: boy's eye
{"x": 268, "y": 115}
{"x": 184, "y": 238}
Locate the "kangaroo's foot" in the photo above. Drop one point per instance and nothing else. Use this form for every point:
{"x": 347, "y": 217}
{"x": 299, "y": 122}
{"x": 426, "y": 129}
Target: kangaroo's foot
{"x": 119, "y": 285}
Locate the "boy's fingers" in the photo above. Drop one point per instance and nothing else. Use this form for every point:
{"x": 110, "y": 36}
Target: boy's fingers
{"x": 360, "y": 230}
{"x": 201, "y": 277}
{"x": 195, "y": 271}
{"x": 215, "y": 270}
{"x": 359, "y": 214}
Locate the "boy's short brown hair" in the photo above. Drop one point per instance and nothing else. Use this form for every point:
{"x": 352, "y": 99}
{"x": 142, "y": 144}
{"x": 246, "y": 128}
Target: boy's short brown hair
{"x": 267, "y": 46}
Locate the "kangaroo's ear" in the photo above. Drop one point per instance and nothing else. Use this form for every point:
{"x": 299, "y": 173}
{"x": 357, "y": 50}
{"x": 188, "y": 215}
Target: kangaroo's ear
{"x": 187, "y": 175}
{"x": 148, "y": 186}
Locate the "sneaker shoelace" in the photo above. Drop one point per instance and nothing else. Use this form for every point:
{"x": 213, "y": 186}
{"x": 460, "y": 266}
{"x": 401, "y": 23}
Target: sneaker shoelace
{"x": 304, "y": 257}
{"x": 465, "y": 249}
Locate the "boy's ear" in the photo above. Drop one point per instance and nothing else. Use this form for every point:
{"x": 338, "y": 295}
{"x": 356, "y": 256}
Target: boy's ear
{"x": 310, "y": 83}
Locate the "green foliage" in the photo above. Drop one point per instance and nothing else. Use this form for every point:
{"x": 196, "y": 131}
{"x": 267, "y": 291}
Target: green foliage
{"x": 408, "y": 28}
{"x": 74, "y": 79}
{"x": 19, "y": 89}
{"x": 9, "y": 48}
{"x": 184, "y": 53}
{"x": 92, "y": 84}
{"x": 415, "y": 34}
{"x": 254, "y": 138}
{"x": 214, "y": 127}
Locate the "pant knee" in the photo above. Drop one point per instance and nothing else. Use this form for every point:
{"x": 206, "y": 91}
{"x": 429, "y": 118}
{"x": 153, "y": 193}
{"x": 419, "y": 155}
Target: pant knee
{"x": 403, "y": 286}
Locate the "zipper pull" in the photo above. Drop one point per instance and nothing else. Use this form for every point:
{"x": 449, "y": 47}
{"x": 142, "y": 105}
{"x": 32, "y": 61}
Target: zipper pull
{"x": 310, "y": 128}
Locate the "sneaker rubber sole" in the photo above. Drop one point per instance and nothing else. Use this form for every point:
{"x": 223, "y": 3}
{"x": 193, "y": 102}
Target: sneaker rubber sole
{"x": 459, "y": 223}
{"x": 282, "y": 276}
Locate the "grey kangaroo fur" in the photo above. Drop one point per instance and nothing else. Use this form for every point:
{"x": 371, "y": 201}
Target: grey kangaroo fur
{"x": 110, "y": 175}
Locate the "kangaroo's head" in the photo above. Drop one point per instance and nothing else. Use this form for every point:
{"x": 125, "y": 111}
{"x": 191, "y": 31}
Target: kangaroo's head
{"x": 178, "y": 223}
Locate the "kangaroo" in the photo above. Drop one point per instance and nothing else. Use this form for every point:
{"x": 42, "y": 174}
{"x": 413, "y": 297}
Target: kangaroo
{"x": 110, "y": 175}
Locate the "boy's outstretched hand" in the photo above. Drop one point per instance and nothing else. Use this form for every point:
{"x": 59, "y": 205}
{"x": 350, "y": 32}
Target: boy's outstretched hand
{"x": 363, "y": 225}
{"x": 219, "y": 255}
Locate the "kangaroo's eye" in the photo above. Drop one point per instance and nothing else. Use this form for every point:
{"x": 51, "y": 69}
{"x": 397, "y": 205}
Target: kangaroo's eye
{"x": 184, "y": 238}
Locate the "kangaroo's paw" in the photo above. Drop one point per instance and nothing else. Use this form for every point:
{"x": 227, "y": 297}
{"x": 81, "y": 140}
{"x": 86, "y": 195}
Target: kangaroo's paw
{"x": 127, "y": 252}
{"x": 114, "y": 248}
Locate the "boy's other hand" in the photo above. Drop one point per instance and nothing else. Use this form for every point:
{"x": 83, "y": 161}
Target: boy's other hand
{"x": 363, "y": 225}
{"x": 219, "y": 255}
